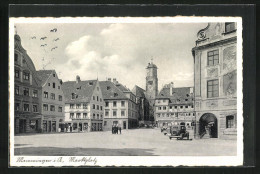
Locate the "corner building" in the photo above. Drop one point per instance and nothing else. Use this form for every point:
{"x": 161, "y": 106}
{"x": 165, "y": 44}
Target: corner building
{"x": 215, "y": 79}
{"x": 27, "y": 92}
{"x": 120, "y": 105}
{"x": 84, "y": 106}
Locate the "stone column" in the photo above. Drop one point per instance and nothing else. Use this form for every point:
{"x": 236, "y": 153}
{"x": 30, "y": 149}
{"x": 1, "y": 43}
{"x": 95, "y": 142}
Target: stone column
{"x": 196, "y": 130}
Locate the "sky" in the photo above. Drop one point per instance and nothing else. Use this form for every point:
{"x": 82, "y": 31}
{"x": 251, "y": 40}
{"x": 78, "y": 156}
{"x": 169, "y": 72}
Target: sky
{"x": 113, "y": 50}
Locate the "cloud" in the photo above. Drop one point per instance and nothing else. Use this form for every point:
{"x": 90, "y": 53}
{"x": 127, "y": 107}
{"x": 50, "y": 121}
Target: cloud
{"x": 123, "y": 51}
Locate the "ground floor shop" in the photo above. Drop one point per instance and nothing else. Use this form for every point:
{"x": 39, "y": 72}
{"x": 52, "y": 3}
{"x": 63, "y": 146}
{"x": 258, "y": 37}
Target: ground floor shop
{"x": 30, "y": 123}
{"x": 83, "y": 125}
{"x": 217, "y": 124}
{"x": 189, "y": 123}
{"x": 124, "y": 123}
{"x": 52, "y": 124}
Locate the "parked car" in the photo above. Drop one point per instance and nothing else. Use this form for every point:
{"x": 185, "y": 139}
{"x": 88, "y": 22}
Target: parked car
{"x": 179, "y": 132}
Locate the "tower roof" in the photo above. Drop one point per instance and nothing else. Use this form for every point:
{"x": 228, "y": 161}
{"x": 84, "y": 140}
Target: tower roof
{"x": 151, "y": 65}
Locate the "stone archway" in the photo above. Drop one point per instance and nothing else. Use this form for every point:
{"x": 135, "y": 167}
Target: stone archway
{"x": 208, "y": 126}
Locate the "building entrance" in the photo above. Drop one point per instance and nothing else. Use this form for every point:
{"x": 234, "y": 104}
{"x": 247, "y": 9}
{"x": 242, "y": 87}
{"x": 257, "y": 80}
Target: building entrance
{"x": 208, "y": 126}
{"x": 22, "y": 125}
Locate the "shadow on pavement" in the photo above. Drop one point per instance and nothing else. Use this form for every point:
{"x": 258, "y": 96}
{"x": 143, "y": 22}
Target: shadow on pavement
{"x": 56, "y": 151}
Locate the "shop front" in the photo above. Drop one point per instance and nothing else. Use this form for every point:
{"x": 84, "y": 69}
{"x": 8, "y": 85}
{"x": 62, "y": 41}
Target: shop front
{"x": 77, "y": 126}
{"x": 28, "y": 124}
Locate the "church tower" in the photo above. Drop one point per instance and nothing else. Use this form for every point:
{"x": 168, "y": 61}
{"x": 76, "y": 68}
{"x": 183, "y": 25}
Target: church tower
{"x": 151, "y": 81}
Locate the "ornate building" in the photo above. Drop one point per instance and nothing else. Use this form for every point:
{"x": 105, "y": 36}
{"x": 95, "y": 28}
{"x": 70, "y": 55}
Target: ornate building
{"x": 52, "y": 101}
{"x": 215, "y": 78}
{"x": 120, "y": 105}
{"x": 84, "y": 105}
{"x": 27, "y": 92}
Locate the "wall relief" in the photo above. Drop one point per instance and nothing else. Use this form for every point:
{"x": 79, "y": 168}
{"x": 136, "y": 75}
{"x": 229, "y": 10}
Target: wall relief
{"x": 229, "y": 58}
{"x": 230, "y": 83}
{"x": 212, "y": 72}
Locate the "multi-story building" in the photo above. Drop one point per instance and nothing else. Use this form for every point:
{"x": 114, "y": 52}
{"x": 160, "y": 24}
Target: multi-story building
{"x": 84, "y": 105}
{"x": 52, "y": 101}
{"x": 27, "y": 92}
{"x": 120, "y": 105}
{"x": 175, "y": 106}
{"x": 215, "y": 78}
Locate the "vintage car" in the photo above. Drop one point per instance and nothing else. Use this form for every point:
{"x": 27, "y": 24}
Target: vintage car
{"x": 179, "y": 132}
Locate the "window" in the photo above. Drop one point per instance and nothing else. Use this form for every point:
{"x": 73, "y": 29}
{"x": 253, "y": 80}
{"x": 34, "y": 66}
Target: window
{"x": 107, "y": 104}
{"x": 17, "y": 73}
{"x": 213, "y": 58}
{"x": 17, "y": 106}
{"x": 114, "y": 113}
{"x": 93, "y": 97}
{"x": 26, "y": 91}
{"x": 53, "y": 85}
{"x": 17, "y": 90}
{"x": 97, "y": 116}
{"x": 26, "y": 107}
{"x": 105, "y": 123}
{"x": 78, "y": 106}
{"x": 97, "y": 98}
{"x": 122, "y": 113}
{"x": 60, "y": 109}
{"x": 115, "y": 94}
{"x": 181, "y": 107}
{"x": 45, "y": 107}
{"x": 85, "y": 115}
{"x": 212, "y": 88}
{"x": 170, "y": 107}
{"x": 160, "y": 108}
{"x": 122, "y": 103}
{"x": 186, "y": 106}
{"x": 78, "y": 115}
{"x": 71, "y": 106}
{"x": 106, "y": 113}
{"x": 85, "y": 106}
{"x": 97, "y": 107}
{"x": 52, "y": 108}
{"x": 230, "y": 121}
{"x": 101, "y": 116}
{"x": 26, "y": 75}
{"x": 186, "y": 99}
{"x": 60, "y": 98}
{"x": 73, "y": 96}
{"x": 108, "y": 87}
{"x": 93, "y": 106}
{"x": 35, "y": 108}
{"x": 114, "y": 103}
{"x": 35, "y": 93}
{"x": 71, "y": 115}
{"x": 230, "y": 26}
{"x": 53, "y": 75}
{"x": 94, "y": 116}
{"x": 45, "y": 94}
{"x": 164, "y": 108}
{"x": 49, "y": 84}
{"x": 53, "y": 96}
{"x": 16, "y": 57}
{"x": 101, "y": 108}
{"x": 175, "y": 107}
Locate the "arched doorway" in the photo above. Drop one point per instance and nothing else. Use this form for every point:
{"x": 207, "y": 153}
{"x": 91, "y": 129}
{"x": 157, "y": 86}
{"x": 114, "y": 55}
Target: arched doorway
{"x": 208, "y": 125}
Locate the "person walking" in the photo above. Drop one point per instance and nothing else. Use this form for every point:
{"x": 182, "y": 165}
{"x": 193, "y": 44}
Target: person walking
{"x": 119, "y": 129}
{"x": 116, "y": 129}
{"x": 113, "y": 129}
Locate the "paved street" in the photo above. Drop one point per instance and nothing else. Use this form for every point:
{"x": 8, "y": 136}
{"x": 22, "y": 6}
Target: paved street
{"x": 137, "y": 142}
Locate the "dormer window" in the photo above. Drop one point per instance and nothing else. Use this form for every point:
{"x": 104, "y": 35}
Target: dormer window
{"x": 26, "y": 75}
{"x": 186, "y": 99}
{"x": 90, "y": 83}
{"x": 53, "y": 75}
{"x": 78, "y": 88}
{"x": 73, "y": 96}
{"x": 108, "y": 87}
{"x": 115, "y": 94}
{"x": 187, "y": 95}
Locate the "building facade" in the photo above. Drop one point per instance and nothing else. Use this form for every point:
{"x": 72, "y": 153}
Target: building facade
{"x": 120, "y": 105}
{"x": 175, "y": 106}
{"x": 84, "y": 105}
{"x": 52, "y": 101}
{"x": 215, "y": 79}
{"x": 27, "y": 92}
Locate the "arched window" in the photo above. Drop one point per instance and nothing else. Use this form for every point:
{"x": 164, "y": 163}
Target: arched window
{"x": 230, "y": 121}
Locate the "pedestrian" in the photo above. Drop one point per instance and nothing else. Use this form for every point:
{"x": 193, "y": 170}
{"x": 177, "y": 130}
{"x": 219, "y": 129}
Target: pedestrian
{"x": 113, "y": 129}
{"x": 116, "y": 129}
{"x": 119, "y": 129}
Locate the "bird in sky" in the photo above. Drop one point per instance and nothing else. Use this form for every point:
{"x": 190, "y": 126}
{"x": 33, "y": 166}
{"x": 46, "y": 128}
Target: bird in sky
{"x": 54, "y": 48}
{"x": 56, "y": 39}
{"x": 43, "y": 45}
{"x": 42, "y": 38}
{"x": 53, "y": 30}
{"x": 34, "y": 37}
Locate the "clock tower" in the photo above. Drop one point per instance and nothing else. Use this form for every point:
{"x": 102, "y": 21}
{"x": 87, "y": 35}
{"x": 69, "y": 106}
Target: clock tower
{"x": 151, "y": 81}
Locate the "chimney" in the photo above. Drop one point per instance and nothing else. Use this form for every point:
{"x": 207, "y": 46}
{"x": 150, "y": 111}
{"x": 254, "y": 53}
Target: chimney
{"x": 109, "y": 79}
{"x": 191, "y": 90}
{"x": 171, "y": 87}
{"x": 114, "y": 80}
{"x": 77, "y": 79}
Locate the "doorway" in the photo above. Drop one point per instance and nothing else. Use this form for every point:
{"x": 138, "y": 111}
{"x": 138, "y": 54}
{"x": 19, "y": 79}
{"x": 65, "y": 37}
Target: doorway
{"x": 208, "y": 125}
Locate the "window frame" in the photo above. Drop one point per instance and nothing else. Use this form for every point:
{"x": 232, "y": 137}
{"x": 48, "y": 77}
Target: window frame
{"x": 211, "y": 55}
{"x": 211, "y": 88}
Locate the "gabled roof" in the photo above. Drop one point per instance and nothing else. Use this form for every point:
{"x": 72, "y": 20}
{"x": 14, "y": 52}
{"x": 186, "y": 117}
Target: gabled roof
{"x": 83, "y": 90}
{"x": 178, "y": 95}
{"x": 122, "y": 88}
{"x": 138, "y": 91}
{"x": 111, "y": 91}
{"x": 43, "y": 75}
